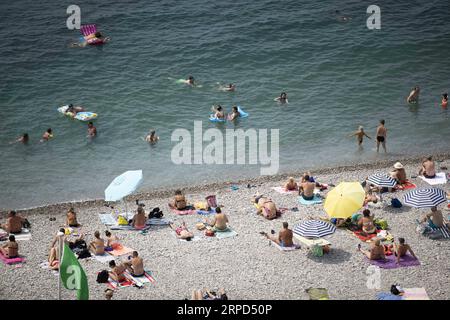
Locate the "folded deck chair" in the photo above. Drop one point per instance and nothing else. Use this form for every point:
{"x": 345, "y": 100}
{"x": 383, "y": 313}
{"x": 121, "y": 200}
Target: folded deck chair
{"x": 88, "y": 29}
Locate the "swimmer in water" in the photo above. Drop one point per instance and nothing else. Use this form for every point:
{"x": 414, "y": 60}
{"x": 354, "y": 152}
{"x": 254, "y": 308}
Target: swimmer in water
{"x": 190, "y": 81}
{"x": 152, "y": 137}
{"x": 47, "y": 135}
{"x": 282, "y": 98}
{"x": 22, "y": 139}
{"x": 229, "y": 87}
{"x": 413, "y": 95}
{"x": 341, "y": 17}
{"x": 234, "y": 114}
{"x": 92, "y": 131}
{"x": 360, "y": 134}
{"x": 92, "y": 38}
{"x": 218, "y": 112}
{"x": 444, "y": 102}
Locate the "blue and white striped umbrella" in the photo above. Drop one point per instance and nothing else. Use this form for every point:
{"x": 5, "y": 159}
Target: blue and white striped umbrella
{"x": 382, "y": 180}
{"x": 425, "y": 198}
{"x": 314, "y": 229}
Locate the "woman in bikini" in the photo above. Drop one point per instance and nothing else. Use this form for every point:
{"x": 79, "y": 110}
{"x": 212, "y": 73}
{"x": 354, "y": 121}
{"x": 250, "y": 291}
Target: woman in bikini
{"x": 368, "y": 227}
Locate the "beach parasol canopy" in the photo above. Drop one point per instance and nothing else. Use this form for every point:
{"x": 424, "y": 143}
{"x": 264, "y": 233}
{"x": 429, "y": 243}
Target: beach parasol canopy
{"x": 123, "y": 185}
{"x": 425, "y": 198}
{"x": 344, "y": 200}
{"x": 382, "y": 180}
{"x": 314, "y": 229}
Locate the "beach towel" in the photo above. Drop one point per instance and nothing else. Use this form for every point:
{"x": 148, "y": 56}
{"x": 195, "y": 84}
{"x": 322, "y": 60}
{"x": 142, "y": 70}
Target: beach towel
{"x": 440, "y": 178}
{"x": 105, "y": 258}
{"x": 317, "y": 294}
{"x": 6, "y": 260}
{"x": 388, "y": 296}
{"x": 444, "y": 231}
{"x": 188, "y": 210}
{"x": 291, "y": 248}
{"x": 406, "y": 186}
{"x": 415, "y": 294}
{"x": 282, "y": 190}
{"x": 23, "y": 236}
{"x": 140, "y": 281}
{"x": 128, "y": 228}
{"x": 226, "y": 234}
{"x": 316, "y": 200}
{"x": 88, "y": 29}
{"x": 364, "y": 238}
{"x": 107, "y": 219}
{"x": 311, "y": 242}
{"x": 391, "y": 262}
{"x": 205, "y": 212}
{"x": 115, "y": 285}
{"x": 158, "y": 222}
{"x": 120, "y": 252}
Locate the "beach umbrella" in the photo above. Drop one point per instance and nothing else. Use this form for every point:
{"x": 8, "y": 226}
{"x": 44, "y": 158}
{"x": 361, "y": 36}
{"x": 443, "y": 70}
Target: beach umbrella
{"x": 314, "y": 229}
{"x": 382, "y": 180}
{"x": 123, "y": 185}
{"x": 425, "y": 198}
{"x": 344, "y": 200}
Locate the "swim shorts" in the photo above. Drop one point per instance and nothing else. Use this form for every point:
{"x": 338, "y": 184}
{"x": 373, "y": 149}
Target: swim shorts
{"x": 380, "y": 139}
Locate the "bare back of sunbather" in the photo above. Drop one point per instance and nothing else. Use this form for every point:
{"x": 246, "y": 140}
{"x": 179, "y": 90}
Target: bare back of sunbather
{"x": 98, "y": 246}
{"x": 285, "y": 237}
{"x": 221, "y": 221}
{"x": 139, "y": 220}
{"x": 117, "y": 273}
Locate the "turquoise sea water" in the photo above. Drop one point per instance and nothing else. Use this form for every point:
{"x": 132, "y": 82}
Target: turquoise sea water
{"x": 337, "y": 76}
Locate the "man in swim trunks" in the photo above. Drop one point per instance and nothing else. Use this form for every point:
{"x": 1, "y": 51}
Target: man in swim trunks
{"x": 179, "y": 202}
{"x": 434, "y": 218}
{"x": 413, "y": 95}
{"x": 428, "y": 169}
{"x": 401, "y": 249}
{"x": 117, "y": 271}
{"x": 13, "y": 223}
{"x": 182, "y": 232}
{"x": 135, "y": 265}
{"x": 92, "y": 131}
{"x": 219, "y": 222}
{"x": 10, "y": 250}
{"x": 381, "y": 135}
{"x": 306, "y": 189}
{"x": 376, "y": 252}
{"x": 360, "y": 134}
{"x": 284, "y": 238}
{"x": 98, "y": 245}
{"x": 139, "y": 218}
{"x": 291, "y": 185}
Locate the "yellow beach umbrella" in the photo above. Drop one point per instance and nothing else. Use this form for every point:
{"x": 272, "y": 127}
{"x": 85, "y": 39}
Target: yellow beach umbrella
{"x": 344, "y": 200}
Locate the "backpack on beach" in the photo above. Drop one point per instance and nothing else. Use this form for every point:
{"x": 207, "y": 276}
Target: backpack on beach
{"x": 396, "y": 203}
{"x": 103, "y": 276}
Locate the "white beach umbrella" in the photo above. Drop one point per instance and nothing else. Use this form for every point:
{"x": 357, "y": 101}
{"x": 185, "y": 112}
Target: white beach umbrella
{"x": 123, "y": 185}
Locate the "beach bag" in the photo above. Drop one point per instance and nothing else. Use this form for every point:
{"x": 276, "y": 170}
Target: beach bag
{"x": 211, "y": 200}
{"x": 103, "y": 276}
{"x": 209, "y": 233}
{"x": 201, "y": 205}
{"x": 396, "y": 203}
{"x": 26, "y": 224}
{"x": 121, "y": 221}
{"x": 317, "y": 250}
{"x": 84, "y": 253}
{"x": 381, "y": 223}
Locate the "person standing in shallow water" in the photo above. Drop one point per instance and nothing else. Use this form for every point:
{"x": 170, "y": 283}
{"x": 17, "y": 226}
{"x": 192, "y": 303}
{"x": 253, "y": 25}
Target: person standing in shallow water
{"x": 92, "y": 131}
{"x": 381, "y": 136}
{"x": 360, "y": 134}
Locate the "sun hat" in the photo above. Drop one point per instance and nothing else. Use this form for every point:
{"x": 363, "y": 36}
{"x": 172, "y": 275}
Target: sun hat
{"x": 398, "y": 165}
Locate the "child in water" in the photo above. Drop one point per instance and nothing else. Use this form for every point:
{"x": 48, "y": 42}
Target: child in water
{"x": 444, "y": 100}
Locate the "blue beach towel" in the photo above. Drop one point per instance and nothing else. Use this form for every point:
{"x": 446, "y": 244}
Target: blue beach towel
{"x": 388, "y": 296}
{"x": 315, "y": 200}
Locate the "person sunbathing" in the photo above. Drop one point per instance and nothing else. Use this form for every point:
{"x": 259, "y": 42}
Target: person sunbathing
{"x": 71, "y": 219}
{"x": 370, "y": 198}
{"x": 265, "y": 207}
{"x": 291, "y": 185}
{"x": 139, "y": 219}
{"x": 306, "y": 189}
{"x": 340, "y": 222}
{"x": 206, "y": 294}
{"x": 53, "y": 256}
{"x": 112, "y": 242}
{"x": 179, "y": 202}
{"x": 117, "y": 271}
{"x": 13, "y": 223}
{"x": 401, "y": 249}
{"x": 366, "y": 223}
{"x": 434, "y": 218}
{"x": 376, "y": 251}
{"x": 10, "y": 249}
{"x": 284, "y": 238}
{"x": 182, "y": 231}
{"x": 135, "y": 265}
{"x": 98, "y": 245}
{"x": 428, "y": 169}
{"x": 399, "y": 173}
{"x": 219, "y": 222}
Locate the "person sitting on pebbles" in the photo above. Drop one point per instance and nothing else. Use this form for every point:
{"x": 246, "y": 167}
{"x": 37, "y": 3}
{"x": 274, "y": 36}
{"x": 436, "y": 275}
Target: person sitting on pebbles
{"x": 291, "y": 185}
{"x": 376, "y": 251}
{"x": 366, "y": 223}
{"x": 399, "y": 173}
{"x": 182, "y": 232}
{"x": 401, "y": 249}
{"x": 53, "y": 256}
{"x": 112, "y": 242}
{"x": 71, "y": 219}
{"x": 13, "y": 223}
{"x": 265, "y": 207}
{"x": 117, "y": 271}
{"x": 135, "y": 265}
{"x": 218, "y": 222}
{"x": 97, "y": 246}
{"x": 306, "y": 189}
{"x": 179, "y": 202}
{"x": 10, "y": 249}
{"x": 428, "y": 169}
{"x": 434, "y": 218}
{"x": 284, "y": 238}
{"x": 139, "y": 219}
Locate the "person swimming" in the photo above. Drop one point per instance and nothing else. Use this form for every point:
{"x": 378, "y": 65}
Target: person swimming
{"x": 218, "y": 112}
{"x": 152, "y": 137}
{"x": 229, "y": 87}
{"x": 47, "y": 135}
{"x": 282, "y": 98}
{"x": 340, "y": 17}
{"x": 22, "y": 139}
{"x": 414, "y": 95}
{"x": 234, "y": 113}
{"x": 444, "y": 102}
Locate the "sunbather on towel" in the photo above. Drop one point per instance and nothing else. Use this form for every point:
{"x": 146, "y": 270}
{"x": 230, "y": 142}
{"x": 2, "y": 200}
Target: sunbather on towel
{"x": 366, "y": 223}
{"x": 306, "y": 189}
{"x": 53, "y": 256}
{"x": 179, "y": 202}
{"x": 266, "y": 207}
{"x": 370, "y": 198}
{"x": 434, "y": 218}
{"x": 139, "y": 218}
{"x": 13, "y": 223}
{"x": 11, "y": 248}
{"x": 399, "y": 173}
{"x": 284, "y": 238}
{"x": 219, "y": 221}
{"x": 117, "y": 271}
{"x": 98, "y": 245}
{"x": 135, "y": 265}
{"x": 291, "y": 185}
{"x": 182, "y": 232}
{"x": 376, "y": 252}
{"x": 71, "y": 220}
{"x": 340, "y": 222}
{"x": 428, "y": 169}
{"x": 112, "y": 242}
{"x": 401, "y": 249}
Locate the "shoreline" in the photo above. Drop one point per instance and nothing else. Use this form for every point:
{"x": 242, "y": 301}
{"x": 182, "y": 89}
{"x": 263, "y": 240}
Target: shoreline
{"x": 162, "y": 192}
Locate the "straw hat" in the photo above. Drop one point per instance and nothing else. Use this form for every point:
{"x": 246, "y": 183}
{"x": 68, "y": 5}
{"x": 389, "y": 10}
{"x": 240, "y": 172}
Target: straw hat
{"x": 398, "y": 165}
